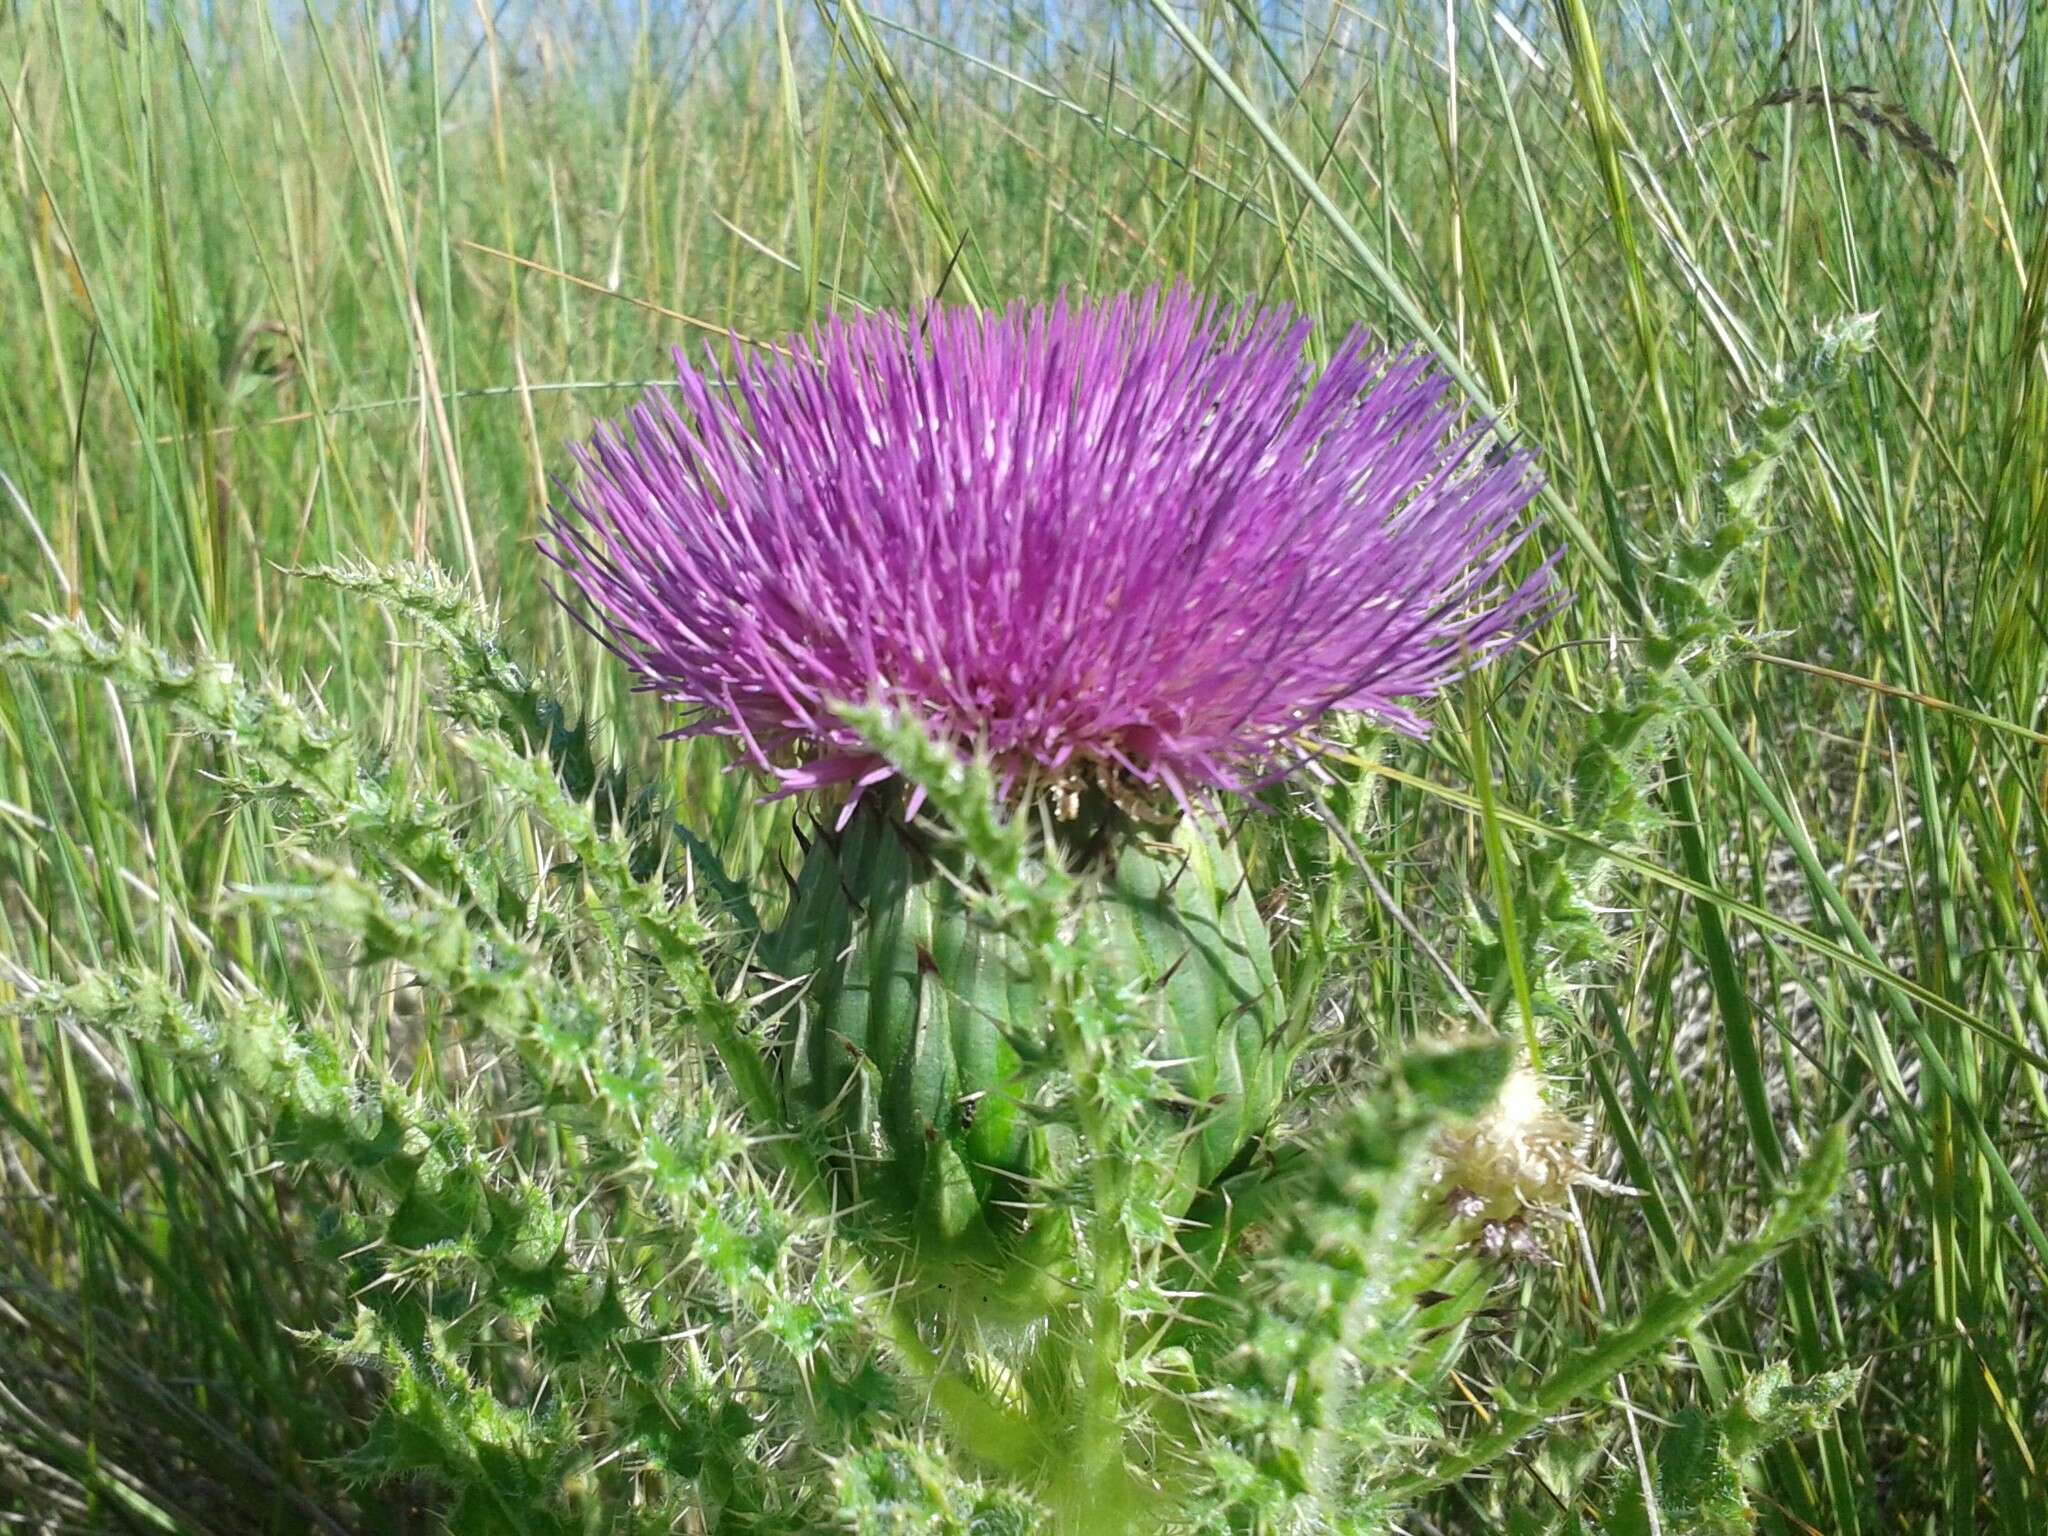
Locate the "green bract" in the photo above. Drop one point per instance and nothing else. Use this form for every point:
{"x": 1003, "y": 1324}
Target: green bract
{"x": 912, "y": 1030}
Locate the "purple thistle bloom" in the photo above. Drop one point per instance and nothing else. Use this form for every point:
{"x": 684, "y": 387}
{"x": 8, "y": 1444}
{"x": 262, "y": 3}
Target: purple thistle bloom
{"x": 1134, "y": 536}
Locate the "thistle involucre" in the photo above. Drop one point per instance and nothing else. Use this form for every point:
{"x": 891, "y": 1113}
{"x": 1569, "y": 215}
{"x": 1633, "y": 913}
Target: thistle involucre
{"x": 1139, "y": 538}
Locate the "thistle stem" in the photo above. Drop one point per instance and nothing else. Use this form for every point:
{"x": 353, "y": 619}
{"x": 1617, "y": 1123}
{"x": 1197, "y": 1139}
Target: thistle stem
{"x": 1096, "y": 1489}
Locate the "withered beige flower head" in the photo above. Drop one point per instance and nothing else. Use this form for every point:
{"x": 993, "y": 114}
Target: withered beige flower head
{"x": 1513, "y": 1169}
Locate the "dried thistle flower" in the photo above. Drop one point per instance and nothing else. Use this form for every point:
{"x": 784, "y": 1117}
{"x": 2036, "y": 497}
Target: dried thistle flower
{"x": 1513, "y": 1169}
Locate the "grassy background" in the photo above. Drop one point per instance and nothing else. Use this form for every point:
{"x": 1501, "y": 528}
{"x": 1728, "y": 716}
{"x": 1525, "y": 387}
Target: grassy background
{"x": 285, "y": 285}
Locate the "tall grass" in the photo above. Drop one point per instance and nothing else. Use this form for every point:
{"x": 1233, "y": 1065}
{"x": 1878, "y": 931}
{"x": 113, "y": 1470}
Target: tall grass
{"x": 289, "y": 286}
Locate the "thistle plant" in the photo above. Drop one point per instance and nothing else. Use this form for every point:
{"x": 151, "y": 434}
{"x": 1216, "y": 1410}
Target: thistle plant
{"x": 972, "y": 1190}
{"x": 1517, "y": 1167}
{"x": 1130, "y": 555}
{"x": 1607, "y": 798}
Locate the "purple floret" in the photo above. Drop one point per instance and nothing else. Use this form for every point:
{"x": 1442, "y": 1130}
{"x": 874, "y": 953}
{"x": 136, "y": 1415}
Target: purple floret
{"x": 1140, "y": 535}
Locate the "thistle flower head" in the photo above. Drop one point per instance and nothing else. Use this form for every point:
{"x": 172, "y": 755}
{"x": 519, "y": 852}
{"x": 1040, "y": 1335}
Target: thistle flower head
{"x": 1140, "y": 540}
